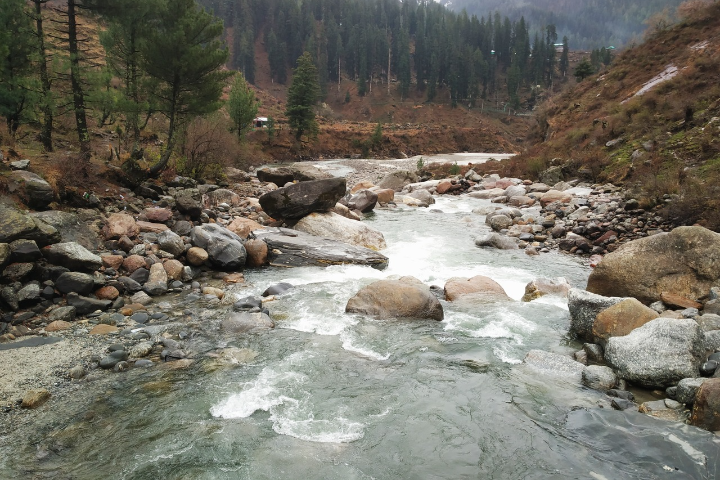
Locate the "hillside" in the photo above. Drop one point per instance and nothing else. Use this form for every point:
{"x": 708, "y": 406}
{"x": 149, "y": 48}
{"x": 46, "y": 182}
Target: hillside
{"x": 587, "y": 23}
{"x": 651, "y": 122}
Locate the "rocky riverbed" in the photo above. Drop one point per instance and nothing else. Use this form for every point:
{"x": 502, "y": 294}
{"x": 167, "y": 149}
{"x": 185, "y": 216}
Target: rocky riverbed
{"x": 113, "y": 284}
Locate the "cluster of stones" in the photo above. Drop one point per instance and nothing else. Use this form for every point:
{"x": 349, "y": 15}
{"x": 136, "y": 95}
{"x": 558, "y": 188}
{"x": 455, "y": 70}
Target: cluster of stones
{"x": 577, "y": 218}
{"x": 650, "y": 319}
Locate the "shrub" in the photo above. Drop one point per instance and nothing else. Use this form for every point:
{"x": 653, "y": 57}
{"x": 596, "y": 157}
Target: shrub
{"x": 206, "y": 148}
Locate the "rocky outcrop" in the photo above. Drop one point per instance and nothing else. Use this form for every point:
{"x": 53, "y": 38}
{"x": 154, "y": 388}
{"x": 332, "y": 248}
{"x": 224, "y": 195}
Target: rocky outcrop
{"x": 407, "y": 297}
{"x": 478, "y": 289}
{"x": 333, "y": 226}
{"x": 658, "y": 354}
{"x": 300, "y": 199}
{"x": 225, "y": 249}
{"x": 584, "y": 307}
{"x": 291, "y": 248}
{"x": 684, "y": 262}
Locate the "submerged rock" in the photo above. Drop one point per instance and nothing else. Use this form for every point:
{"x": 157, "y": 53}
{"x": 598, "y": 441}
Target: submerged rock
{"x": 407, "y": 297}
{"x": 243, "y": 322}
{"x": 555, "y": 365}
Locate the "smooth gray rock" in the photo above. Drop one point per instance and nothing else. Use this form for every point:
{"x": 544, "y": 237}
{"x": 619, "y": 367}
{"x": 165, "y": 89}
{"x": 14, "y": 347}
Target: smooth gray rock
{"x": 300, "y": 199}
{"x": 130, "y": 285}
{"x": 72, "y": 255}
{"x": 291, "y": 248}
{"x": 225, "y": 249}
{"x": 422, "y": 195}
{"x": 687, "y": 388}
{"x": 599, "y": 377}
{"x": 500, "y": 222}
{"x": 85, "y": 305}
{"x": 495, "y": 240}
{"x": 188, "y": 202}
{"x": 171, "y": 242}
{"x": 66, "y": 314}
{"x": 29, "y": 293}
{"x": 658, "y": 354}
{"x": 584, "y": 307}
{"x": 77, "y": 282}
{"x": 243, "y": 322}
{"x": 556, "y": 365}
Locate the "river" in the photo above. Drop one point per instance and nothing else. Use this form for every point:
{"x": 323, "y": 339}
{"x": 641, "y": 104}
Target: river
{"x": 327, "y": 395}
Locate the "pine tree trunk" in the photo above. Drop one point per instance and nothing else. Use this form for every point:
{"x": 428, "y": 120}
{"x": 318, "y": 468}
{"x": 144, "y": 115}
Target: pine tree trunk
{"x": 78, "y": 94}
{"x": 47, "y": 109}
{"x": 157, "y": 169}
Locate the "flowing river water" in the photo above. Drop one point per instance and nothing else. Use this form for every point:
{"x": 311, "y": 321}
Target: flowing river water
{"x": 328, "y": 395}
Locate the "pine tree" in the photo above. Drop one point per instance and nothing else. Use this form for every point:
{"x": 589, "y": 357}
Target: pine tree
{"x": 46, "y": 102}
{"x": 17, "y": 48}
{"x": 302, "y": 97}
{"x": 242, "y": 105}
{"x": 583, "y": 70}
{"x": 564, "y": 60}
{"x": 184, "y": 54}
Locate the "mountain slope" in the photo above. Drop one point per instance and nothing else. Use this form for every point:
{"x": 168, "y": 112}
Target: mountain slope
{"x": 652, "y": 122}
{"x": 587, "y": 23}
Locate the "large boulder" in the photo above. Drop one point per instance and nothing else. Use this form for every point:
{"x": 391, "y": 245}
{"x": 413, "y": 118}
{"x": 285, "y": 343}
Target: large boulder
{"x": 706, "y": 409}
{"x": 73, "y": 256}
{"x": 398, "y": 179}
{"x": 620, "y": 319}
{"x": 336, "y": 227}
{"x": 477, "y": 288}
{"x": 292, "y": 248}
{"x": 118, "y": 225}
{"x": 31, "y": 188}
{"x": 584, "y": 307}
{"x": 279, "y": 176}
{"x": 225, "y": 249}
{"x": 685, "y": 262}
{"x": 659, "y": 354}
{"x": 188, "y": 203}
{"x": 69, "y": 227}
{"x": 407, "y": 297}
{"x": 300, "y": 199}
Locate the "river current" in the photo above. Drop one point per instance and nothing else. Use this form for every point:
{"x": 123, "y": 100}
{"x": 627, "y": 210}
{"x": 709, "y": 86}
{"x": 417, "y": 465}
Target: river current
{"x": 328, "y": 395}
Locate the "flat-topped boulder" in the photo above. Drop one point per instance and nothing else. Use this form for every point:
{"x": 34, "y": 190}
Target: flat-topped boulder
{"x": 300, "y": 199}
{"x": 336, "y": 227}
{"x": 72, "y": 255}
{"x": 292, "y": 248}
{"x": 69, "y": 228}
